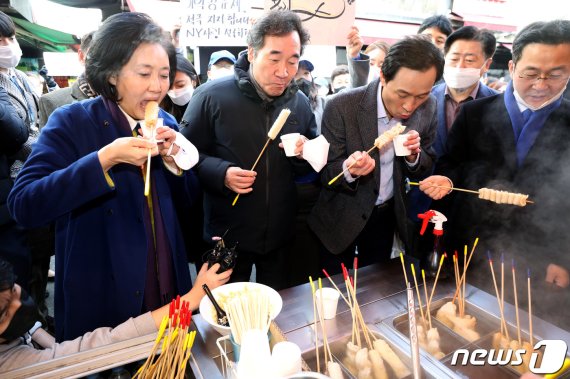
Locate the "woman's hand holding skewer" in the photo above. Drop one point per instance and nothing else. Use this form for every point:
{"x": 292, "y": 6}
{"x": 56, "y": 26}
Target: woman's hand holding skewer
{"x": 126, "y": 150}
{"x": 360, "y": 163}
{"x": 436, "y": 186}
{"x": 239, "y": 180}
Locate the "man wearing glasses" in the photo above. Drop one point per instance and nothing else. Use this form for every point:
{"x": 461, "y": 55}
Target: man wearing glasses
{"x": 518, "y": 142}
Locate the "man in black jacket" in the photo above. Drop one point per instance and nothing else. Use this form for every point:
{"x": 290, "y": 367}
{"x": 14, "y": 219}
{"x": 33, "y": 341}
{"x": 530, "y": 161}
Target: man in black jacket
{"x": 228, "y": 121}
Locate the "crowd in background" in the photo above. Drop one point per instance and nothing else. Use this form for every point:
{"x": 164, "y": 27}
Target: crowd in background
{"x": 72, "y": 183}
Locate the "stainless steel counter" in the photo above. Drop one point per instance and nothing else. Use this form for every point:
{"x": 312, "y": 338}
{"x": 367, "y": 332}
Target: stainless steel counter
{"x": 381, "y": 295}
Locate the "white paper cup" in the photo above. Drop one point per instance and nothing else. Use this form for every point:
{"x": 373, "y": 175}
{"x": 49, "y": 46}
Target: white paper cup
{"x": 290, "y": 143}
{"x": 330, "y": 301}
{"x": 286, "y": 358}
{"x": 255, "y": 357}
{"x": 399, "y": 148}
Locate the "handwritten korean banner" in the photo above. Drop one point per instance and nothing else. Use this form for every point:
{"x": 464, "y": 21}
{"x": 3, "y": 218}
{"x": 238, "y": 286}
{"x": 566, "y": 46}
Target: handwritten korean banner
{"x": 215, "y": 22}
{"x": 328, "y": 21}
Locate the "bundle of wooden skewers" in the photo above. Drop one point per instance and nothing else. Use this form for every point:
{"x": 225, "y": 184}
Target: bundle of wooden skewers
{"x": 175, "y": 349}
{"x": 452, "y": 313}
{"x": 366, "y": 354}
{"x": 428, "y": 336}
{"x": 502, "y": 340}
{"x": 248, "y": 310}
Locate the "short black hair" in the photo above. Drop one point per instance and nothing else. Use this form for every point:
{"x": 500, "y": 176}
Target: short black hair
{"x": 114, "y": 44}
{"x": 415, "y": 53}
{"x": 341, "y": 69}
{"x": 439, "y": 21}
{"x": 7, "y": 27}
{"x": 556, "y": 32}
{"x": 276, "y": 23}
{"x": 470, "y": 33}
{"x": 7, "y": 276}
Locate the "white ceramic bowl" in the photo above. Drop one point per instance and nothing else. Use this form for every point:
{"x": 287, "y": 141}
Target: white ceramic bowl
{"x": 207, "y": 309}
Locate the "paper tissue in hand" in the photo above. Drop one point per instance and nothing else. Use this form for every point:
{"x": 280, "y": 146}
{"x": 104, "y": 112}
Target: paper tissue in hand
{"x": 316, "y": 152}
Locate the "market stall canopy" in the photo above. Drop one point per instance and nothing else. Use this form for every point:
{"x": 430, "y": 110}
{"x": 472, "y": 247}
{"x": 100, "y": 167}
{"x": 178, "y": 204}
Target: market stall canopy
{"x": 43, "y": 38}
{"x": 39, "y": 25}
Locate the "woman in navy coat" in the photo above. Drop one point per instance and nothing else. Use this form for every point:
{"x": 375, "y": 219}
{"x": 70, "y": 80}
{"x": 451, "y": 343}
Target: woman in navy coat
{"x": 118, "y": 253}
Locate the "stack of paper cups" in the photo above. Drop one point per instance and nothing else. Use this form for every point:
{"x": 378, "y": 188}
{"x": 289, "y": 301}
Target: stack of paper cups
{"x": 255, "y": 357}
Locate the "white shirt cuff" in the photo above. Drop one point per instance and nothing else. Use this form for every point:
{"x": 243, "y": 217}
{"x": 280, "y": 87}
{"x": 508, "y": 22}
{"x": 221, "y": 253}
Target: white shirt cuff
{"x": 414, "y": 163}
{"x": 187, "y": 155}
{"x": 349, "y": 178}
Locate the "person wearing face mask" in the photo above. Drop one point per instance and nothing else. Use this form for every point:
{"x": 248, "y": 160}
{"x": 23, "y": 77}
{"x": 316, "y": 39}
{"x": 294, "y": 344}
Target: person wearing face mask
{"x": 189, "y": 203}
{"x": 468, "y": 54}
{"x": 305, "y": 82}
{"x": 23, "y": 97}
{"x": 221, "y": 64}
{"x": 20, "y": 331}
{"x": 185, "y": 81}
{"x": 23, "y": 100}
{"x": 517, "y": 142}
{"x": 340, "y": 78}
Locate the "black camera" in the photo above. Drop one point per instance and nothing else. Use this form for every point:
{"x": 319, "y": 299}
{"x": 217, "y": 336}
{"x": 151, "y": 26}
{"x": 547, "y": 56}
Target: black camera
{"x": 226, "y": 257}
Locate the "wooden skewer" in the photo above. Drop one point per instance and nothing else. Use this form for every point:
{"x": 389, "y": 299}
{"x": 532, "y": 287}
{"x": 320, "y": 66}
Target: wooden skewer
{"x": 466, "y": 267}
{"x": 403, "y": 266}
{"x": 253, "y": 167}
{"x": 531, "y": 336}
{"x": 456, "y": 272}
{"x": 456, "y": 189}
{"x": 435, "y": 281}
{"x": 336, "y": 288}
{"x": 464, "y": 280}
{"x": 349, "y": 167}
{"x": 418, "y": 294}
{"x": 427, "y": 299}
{"x": 516, "y": 305}
{"x": 503, "y": 322}
{"x": 315, "y": 324}
{"x": 502, "y": 284}
{"x": 326, "y": 346}
{"x": 271, "y": 135}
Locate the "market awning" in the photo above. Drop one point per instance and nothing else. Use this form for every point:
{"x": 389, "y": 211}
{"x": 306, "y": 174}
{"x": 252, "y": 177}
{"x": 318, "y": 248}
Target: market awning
{"x": 43, "y": 38}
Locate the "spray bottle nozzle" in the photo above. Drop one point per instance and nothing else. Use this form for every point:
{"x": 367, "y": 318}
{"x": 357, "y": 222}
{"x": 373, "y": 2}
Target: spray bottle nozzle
{"x": 432, "y": 216}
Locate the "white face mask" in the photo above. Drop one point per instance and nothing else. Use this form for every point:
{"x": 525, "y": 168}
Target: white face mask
{"x": 220, "y": 72}
{"x": 182, "y": 96}
{"x": 534, "y": 108}
{"x": 373, "y": 74}
{"x": 461, "y": 78}
{"x": 10, "y": 55}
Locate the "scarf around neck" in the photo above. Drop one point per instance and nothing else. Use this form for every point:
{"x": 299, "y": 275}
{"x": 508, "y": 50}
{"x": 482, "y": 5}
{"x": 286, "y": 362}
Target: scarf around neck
{"x": 160, "y": 282}
{"x": 526, "y": 125}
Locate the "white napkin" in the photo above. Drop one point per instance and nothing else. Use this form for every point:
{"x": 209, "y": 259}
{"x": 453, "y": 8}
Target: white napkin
{"x": 146, "y": 131}
{"x": 316, "y": 152}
